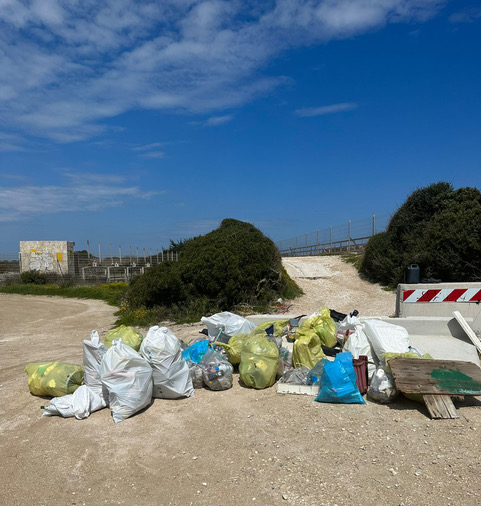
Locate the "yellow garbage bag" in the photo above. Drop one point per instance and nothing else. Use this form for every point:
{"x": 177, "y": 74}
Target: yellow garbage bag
{"x": 259, "y": 362}
{"x": 129, "y": 336}
{"x": 314, "y": 332}
{"x": 325, "y": 327}
{"x": 234, "y": 347}
{"x": 307, "y": 349}
{"x": 279, "y": 328}
{"x": 409, "y": 354}
{"x": 54, "y": 378}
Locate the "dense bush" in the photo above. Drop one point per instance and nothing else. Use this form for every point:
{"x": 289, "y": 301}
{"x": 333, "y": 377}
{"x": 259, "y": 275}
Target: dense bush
{"x": 231, "y": 265}
{"x": 34, "y": 278}
{"x": 438, "y": 228}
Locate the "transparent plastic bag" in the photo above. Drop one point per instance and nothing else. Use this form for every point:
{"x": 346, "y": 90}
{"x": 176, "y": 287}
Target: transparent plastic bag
{"x": 296, "y": 376}
{"x": 216, "y": 371}
{"x": 195, "y": 371}
{"x": 382, "y": 388}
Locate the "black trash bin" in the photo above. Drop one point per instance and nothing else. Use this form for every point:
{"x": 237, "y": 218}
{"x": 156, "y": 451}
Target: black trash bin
{"x": 413, "y": 274}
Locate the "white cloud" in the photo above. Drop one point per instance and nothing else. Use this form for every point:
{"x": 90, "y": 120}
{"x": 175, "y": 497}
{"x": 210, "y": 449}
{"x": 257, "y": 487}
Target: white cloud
{"x": 68, "y": 66}
{"x": 148, "y": 147}
{"x": 153, "y": 154}
{"x": 326, "y": 109}
{"x": 83, "y": 192}
{"x": 219, "y": 120}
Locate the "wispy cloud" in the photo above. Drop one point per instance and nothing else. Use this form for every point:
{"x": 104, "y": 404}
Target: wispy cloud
{"x": 153, "y": 154}
{"x": 82, "y": 192}
{"x": 219, "y": 120}
{"x": 10, "y": 142}
{"x": 148, "y": 147}
{"x": 325, "y": 109}
{"x": 68, "y": 67}
{"x": 466, "y": 15}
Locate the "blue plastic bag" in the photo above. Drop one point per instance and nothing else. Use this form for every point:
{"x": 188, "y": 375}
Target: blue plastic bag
{"x": 195, "y": 352}
{"x": 338, "y": 381}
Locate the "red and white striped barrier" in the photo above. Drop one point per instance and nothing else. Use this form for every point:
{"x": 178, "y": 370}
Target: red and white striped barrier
{"x": 443, "y": 295}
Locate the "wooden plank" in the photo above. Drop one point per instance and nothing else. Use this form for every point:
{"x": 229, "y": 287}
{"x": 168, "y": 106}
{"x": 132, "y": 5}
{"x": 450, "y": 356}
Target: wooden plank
{"x": 440, "y": 406}
{"x": 467, "y": 329}
{"x": 449, "y": 377}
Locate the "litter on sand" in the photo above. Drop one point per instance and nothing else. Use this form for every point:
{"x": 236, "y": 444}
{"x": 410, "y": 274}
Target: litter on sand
{"x": 334, "y": 357}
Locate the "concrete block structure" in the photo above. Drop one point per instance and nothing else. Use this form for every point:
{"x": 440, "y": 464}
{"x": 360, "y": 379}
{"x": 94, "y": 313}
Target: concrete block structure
{"x": 438, "y": 299}
{"x": 51, "y": 257}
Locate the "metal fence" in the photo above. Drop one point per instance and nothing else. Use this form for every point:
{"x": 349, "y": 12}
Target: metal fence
{"x": 347, "y": 237}
{"x": 100, "y": 268}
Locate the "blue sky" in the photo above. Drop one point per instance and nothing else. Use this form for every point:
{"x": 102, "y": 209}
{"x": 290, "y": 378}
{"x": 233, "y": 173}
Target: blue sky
{"x": 130, "y": 123}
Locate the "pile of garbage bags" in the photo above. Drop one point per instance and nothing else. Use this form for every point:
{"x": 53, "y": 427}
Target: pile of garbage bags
{"x": 120, "y": 377}
{"x": 127, "y": 371}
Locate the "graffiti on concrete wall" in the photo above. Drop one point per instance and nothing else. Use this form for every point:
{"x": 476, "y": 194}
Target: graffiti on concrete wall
{"x": 40, "y": 261}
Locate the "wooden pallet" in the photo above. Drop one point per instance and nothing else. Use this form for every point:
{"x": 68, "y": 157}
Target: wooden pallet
{"x": 437, "y": 381}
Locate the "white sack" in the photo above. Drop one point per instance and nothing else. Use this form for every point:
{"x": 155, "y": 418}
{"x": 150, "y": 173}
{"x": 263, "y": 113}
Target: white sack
{"x": 79, "y": 404}
{"x": 357, "y": 342}
{"x": 128, "y": 378}
{"x": 230, "y": 323}
{"x": 171, "y": 374}
{"x": 94, "y": 352}
{"x": 386, "y": 337}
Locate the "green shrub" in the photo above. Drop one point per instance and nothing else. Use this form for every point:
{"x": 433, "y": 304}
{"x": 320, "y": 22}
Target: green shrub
{"x": 438, "y": 228}
{"x": 34, "y": 278}
{"x": 234, "y": 264}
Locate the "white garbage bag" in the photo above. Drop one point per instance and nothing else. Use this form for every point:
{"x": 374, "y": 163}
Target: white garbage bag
{"x": 128, "y": 379}
{"x": 171, "y": 374}
{"x": 386, "y": 337}
{"x": 79, "y": 404}
{"x": 94, "y": 352}
{"x": 357, "y": 342}
{"x": 230, "y": 323}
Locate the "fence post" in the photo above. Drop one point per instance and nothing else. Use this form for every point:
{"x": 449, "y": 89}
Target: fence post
{"x": 330, "y": 239}
{"x": 349, "y": 239}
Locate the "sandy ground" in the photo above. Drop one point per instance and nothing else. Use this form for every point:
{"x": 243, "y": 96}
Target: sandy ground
{"x": 330, "y": 281}
{"x": 238, "y": 447}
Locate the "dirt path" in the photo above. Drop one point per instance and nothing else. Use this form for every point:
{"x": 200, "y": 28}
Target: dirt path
{"x": 330, "y": 281}
{"x": 236, "y": 447}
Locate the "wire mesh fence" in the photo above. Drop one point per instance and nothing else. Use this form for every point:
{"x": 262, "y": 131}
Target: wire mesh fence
{"x": 342, "y": 238}
{"x": 86, "y": 267}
